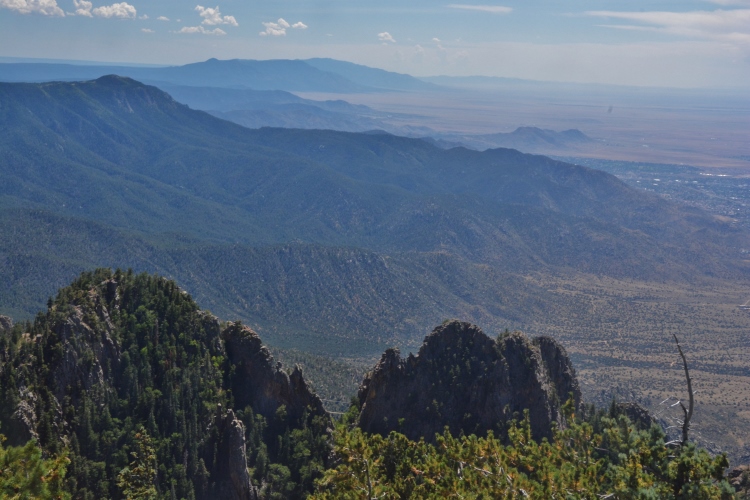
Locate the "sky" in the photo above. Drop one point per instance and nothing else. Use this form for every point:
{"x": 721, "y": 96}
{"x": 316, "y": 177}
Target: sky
{"x": 673, "y": 43}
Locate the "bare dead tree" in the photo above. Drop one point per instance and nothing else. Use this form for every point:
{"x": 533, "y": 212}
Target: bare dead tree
{"x": 688, "y": 412}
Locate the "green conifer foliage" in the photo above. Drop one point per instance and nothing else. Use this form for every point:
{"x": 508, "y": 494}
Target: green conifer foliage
{"x": 129, "y": 374}
{"x": 138, "y": 479}
{"x": 620, "y": 462}
{"x": 25, "y": 474}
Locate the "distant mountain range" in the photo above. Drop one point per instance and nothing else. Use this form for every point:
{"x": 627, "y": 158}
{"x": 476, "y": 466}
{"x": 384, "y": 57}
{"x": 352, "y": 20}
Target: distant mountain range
{"x": 259, "y": 94}
{"x": 321, "y": 236}
{"x": 314, "y": 75}
{"x": 371, "y": 77}
{"x": 526, "y": 139}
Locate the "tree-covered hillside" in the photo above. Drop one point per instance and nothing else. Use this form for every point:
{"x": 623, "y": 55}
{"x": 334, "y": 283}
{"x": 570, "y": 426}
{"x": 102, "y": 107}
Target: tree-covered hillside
{"x": 119, "y": 356}
{"x": 124, "y": 388}
{"x": 112, "y": 172}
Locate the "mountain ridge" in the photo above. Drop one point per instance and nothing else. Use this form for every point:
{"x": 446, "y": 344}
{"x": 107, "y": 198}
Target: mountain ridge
{"x": 113, "y": 159}
{"x": 316, "y": 75}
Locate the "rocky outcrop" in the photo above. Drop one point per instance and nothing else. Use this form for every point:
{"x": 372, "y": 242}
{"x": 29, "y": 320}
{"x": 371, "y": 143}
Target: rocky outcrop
{"x": 83, "y": 338}
{"x": 559, "y": 369}
{"x": 637, "y": 414}
{"x": 86, "y": 335}
{"x": 22, "y": 424}
{"x": 739, "y": 478}
{"x": 229, "y": 477}
{"x": 260, "y": 382}
{"x": 117, "y": 346}
{"x": 5, "y": 323}
{"x": 463, "y": 379}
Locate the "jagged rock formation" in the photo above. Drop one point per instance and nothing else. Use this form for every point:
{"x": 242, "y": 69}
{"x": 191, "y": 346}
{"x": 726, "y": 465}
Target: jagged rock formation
{"x": 260, "y": 382}
{"x": 116, "y": 351}
{"x": 6, "y": 323}
{"x": 231, "y": 480}
{"x": 79, "y": 337}
{"x": 470, "y": 383}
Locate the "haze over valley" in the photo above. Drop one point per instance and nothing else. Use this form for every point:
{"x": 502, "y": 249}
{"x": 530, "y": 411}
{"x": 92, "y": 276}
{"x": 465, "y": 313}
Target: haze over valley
{"x": 656, "y": 125}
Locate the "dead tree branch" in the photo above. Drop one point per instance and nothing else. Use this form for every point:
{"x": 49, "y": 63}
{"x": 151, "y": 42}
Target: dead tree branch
{"x": 688, "y": 412}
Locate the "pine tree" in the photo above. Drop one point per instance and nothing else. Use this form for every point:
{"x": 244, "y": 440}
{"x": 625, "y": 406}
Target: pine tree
{"x": 24, "y": 474}
{"x": 137, "y": 480}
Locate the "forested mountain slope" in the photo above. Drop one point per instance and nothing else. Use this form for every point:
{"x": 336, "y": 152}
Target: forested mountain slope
{"x": 118, "y": 355}
{"x": 114, "y": 172}
{"x": 132, "y": 391}
{"x": 126, "y": 154}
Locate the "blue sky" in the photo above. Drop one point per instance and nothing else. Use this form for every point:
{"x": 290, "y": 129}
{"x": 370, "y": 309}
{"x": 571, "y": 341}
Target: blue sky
{"x": 701, "y": 43}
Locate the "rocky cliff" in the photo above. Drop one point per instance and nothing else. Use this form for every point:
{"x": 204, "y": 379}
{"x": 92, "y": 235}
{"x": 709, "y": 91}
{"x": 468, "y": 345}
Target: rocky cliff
{"x": 226, "y": 450}
{"x": 116, "y": 351}
{"x": 5, "y": 323}
{"x": 463, "y": 379}
{"x": 260, "y": 382}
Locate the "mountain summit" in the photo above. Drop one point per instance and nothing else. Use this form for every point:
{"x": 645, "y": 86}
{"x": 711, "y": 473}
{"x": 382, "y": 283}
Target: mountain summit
{"x": 463, "y": 380}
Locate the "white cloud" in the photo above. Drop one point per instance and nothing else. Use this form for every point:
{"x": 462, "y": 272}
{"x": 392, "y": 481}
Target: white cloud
{"x": 191, "y": 30}
{"x": 44, "y": 7}
{"x": 386, "y": 37}
{"x": 122, "y": 10}
{"x": 436, "y": 40}
{"x": 721, "y": 25}
{"x": 494, "y": 9}
{"x": 162, "y": 18}
{"x": 275, "y": 29}
{"x": 144, "y": 17}
{"x": 147, "y": 30}
{"x": 83, "y": 8}
{"x": 279, "y": 27}
{"x": 213, "y": 17}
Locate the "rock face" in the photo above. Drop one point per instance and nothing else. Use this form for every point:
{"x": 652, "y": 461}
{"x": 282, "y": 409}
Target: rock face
{"x": 261, "y": 383}
{"x": 5, "y": 323}
{"x": 463, "y": 379}
{"x": 637, "y": 414}
{"x": 78, "y": 339}
{"x": 739, "y": 478}
{"x": 90, "y": 347}
{"x": 230, "y": 479}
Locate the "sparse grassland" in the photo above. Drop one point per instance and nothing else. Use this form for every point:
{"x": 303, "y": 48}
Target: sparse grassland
{"x": 620, "y": 339}
{"x": 619, "y": 336}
